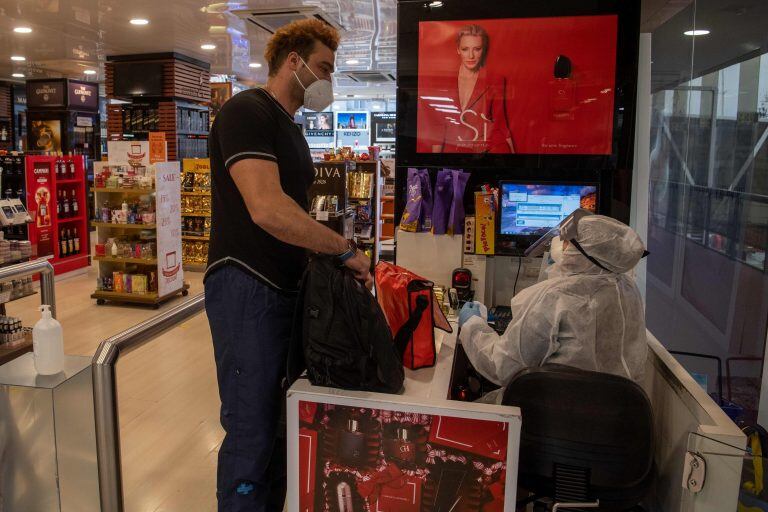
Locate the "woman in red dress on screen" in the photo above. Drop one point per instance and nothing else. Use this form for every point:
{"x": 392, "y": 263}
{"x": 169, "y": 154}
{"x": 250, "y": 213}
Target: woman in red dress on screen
{"x": 475, "y": 119}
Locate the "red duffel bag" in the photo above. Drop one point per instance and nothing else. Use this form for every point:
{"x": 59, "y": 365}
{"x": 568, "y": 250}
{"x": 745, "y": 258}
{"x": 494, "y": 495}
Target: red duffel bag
{"x": 405, "y": 297}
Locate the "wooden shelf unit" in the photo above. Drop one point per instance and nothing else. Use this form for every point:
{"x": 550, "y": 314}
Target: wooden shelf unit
{"x": 195, "y": 166}
{"x": 185, "y": 87}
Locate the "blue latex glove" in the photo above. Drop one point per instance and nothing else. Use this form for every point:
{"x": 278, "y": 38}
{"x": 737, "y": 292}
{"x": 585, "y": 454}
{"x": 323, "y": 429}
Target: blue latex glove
{"x": 469, "y": 310}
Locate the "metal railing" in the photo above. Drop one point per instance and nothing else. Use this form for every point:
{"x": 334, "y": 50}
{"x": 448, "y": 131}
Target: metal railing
{"x": 30, "y": 268}
{"x": 105, "y": 394}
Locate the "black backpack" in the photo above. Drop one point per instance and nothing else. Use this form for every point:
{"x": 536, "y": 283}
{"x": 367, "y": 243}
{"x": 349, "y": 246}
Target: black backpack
{"x": 340, "y": 334}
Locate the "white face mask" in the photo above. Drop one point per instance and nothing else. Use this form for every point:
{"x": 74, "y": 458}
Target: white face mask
{"x": 556, "y": 251}
{"x": 319, "y": 95}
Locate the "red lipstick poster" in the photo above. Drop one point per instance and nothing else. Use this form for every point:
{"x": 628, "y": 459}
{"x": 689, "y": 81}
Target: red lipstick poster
{"x": 522, "y": 85}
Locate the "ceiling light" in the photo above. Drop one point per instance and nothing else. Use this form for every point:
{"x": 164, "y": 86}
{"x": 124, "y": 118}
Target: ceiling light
{"x": 697, "y": 32}
{"x": 89, "y": 72}
{"x": 139, "y": 21}
{"x": 22, "y": 30}
{"x": 353, "y": 62}
{"x": 436, "y": 4}
{"x": 254, "y": 65}
{"x": 18, "y": 58}
{"x": 208, "y": 46}
{"x": 18, "y": 75}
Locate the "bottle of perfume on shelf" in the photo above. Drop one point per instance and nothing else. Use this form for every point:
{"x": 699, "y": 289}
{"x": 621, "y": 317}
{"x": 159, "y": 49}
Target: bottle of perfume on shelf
{"x": 344, "y": 497}
{"x": 401, "y": 447}
{"x": 351, "y": 444}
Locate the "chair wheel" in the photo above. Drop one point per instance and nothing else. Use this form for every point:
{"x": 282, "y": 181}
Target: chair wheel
{"x": 184, "y": 293}
{"x": 100, "y": 302}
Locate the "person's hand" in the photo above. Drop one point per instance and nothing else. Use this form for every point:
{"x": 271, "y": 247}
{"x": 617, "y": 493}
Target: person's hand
{"x": 360, "y": 264}
{"x": 469, "y": 310}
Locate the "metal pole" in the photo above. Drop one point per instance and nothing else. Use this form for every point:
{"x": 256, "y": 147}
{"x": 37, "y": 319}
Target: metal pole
{"x": 30, "y": 268}
{"x": 105, "y": 394}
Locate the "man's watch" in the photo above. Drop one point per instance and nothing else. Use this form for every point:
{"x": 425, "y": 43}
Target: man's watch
{"x": 349, "y": 253}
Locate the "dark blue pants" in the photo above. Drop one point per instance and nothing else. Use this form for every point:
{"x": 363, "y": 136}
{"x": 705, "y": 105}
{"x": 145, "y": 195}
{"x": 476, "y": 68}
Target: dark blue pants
{"x": 251, "y": 328}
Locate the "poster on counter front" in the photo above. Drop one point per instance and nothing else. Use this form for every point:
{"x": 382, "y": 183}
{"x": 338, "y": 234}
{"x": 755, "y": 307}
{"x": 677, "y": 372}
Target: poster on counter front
{"x": 353, "y": 458}
{"x": 170, "y": 277}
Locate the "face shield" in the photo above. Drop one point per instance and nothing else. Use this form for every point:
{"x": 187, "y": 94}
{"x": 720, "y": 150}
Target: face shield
{"x": 566, "y": 230}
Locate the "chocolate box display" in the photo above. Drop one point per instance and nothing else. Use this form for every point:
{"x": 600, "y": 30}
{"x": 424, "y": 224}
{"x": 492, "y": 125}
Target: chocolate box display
{"x": 372, "y": 460}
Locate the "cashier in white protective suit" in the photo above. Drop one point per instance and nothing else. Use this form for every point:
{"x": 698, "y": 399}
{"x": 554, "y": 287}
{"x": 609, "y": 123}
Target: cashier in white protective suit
{"x": 588, "y": 314}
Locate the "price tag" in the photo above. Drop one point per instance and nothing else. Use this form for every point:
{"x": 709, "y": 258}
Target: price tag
{"x": 322, "y": 216}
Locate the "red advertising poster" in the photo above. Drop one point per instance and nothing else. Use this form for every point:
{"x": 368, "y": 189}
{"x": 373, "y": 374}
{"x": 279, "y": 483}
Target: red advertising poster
{"x": 40, "y": 194}
{"x": 521, "y": 85}
{"x": 351, "y": 458}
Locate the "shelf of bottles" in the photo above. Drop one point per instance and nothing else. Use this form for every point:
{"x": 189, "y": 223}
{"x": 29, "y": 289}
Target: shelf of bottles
{"x": 56, "y": 195}
{"x": 195, "y": 212}
{"x": 13, "y": 185}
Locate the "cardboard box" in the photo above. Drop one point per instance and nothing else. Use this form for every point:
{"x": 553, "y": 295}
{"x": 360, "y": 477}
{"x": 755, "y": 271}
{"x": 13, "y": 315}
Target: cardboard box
{"x": 404, "y": 496}
{"x": 484, "y": 438}
{"x": 485, "y": 223}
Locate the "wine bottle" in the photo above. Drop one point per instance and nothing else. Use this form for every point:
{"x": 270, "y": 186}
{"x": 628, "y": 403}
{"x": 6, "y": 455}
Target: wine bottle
{"x": 76, "y": 239}
{"x": 65, "y": 206}
{"x": 75, "y": 207}
{"x": 62, "y": 245}
{"x": 70, "y": 244}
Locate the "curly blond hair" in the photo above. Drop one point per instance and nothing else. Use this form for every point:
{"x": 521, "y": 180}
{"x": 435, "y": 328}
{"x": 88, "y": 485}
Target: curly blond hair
{"x": 300, "y": 37}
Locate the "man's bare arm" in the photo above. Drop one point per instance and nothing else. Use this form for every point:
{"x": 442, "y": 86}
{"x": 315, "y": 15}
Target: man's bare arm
{"x": 276, "y": 213}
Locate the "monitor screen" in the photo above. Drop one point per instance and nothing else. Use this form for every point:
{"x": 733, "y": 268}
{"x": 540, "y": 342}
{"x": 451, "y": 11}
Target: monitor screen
{"x": 538, "y": 86}
{"x": 138, "y": 79}
{"x": 532, "y": 210}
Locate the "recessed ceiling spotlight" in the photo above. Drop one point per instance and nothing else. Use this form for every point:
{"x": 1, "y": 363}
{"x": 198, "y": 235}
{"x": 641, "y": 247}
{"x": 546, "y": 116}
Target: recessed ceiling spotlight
{"x": 435, "y": 4}
{"x": 18, "y": 58}
{"x": 139, "y": 21}
{"x": 22, "y": 30}
{"x": 89, "y": 72}
{"x": 18, "y": 75}
{"x": 208, "y": 46}
{"x": 697, "y": 32}
{"x": 254, "y": 65}
{"x": 353, "y": 62}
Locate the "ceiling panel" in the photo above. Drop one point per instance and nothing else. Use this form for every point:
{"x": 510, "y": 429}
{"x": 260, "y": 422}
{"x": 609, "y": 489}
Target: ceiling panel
{"x": 71, "y": 36}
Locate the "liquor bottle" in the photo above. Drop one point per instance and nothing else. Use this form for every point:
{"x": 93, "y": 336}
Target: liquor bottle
{"x": 65, "y": 205}
{"x": 75, "y": 207}
{"x": 70, "y": 244}
{"x": 401, "y": 448}
{"x": 352, "y": 445}
{"x": 58, "y": 205}
{"x": 71, "y": 168}
{"x": 76, "y": 243}
{"x": 62, "y": 245}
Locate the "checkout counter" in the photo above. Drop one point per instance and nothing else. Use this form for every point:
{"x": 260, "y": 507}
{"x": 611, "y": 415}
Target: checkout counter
{"x": 465, "y": 455}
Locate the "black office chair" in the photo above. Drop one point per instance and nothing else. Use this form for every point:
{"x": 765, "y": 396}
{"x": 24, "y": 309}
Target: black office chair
{"x": 587, "y": 437}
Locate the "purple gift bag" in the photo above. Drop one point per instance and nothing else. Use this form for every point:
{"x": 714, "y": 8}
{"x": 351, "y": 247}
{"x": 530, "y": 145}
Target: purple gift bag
{"x": 456, "y": 216}
{"x": 425, "y": 219}
{"x": 442, "y": 204}
{"x": 413, "y": 202}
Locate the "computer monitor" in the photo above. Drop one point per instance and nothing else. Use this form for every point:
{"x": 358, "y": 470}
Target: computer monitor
{"x": 529, "y": 210}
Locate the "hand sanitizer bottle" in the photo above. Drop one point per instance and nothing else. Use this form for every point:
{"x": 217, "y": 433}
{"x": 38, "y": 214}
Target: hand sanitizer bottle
{"x": 48, "y": 344}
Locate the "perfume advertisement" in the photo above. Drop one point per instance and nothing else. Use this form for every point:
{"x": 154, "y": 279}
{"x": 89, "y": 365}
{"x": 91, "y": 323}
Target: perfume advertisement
{"x": 45, "y": 135}
{"x": 383, "y": 127}
{"x": 368, "y": 460}
{"x": 518, "y": 85}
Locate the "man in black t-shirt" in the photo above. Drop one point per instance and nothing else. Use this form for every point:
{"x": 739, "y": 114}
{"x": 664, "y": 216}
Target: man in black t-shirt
{"x": 261, "y": 171}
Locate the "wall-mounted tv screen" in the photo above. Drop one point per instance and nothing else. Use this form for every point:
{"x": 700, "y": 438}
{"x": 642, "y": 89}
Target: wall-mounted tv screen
{"x": 517, "y": 85}
{"x": 138, "y": 79}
